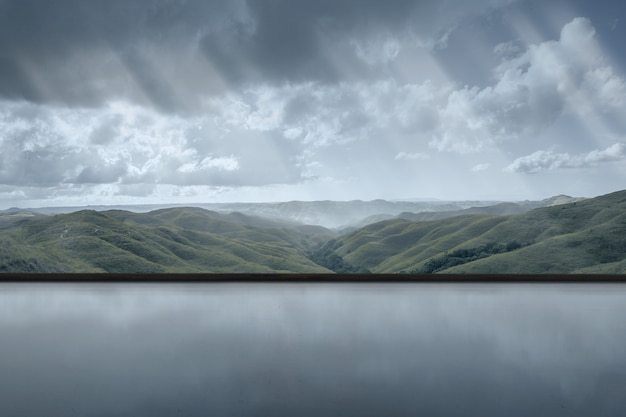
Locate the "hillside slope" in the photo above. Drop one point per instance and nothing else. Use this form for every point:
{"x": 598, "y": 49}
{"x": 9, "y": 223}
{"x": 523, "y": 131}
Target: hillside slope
{"x": 171, "y": 240}
{"x": 583, "y": 236}
{"x": 587, "y": 236}
{"x": 501, "y": 209}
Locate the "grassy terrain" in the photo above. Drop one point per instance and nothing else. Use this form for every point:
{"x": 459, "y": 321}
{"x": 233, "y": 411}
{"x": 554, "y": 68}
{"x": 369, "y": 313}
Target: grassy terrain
{"x": 171, "y": 240}
{"x": 581, "y": 237}
{"x": 587, "y": 236}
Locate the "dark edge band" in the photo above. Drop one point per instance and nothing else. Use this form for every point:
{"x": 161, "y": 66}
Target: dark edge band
{"x": 311, "y": 278}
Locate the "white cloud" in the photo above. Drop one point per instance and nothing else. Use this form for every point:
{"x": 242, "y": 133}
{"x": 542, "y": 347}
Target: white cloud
{"x": 531, "y": 92}
{"x": 507, "y": 49}
{"x": 606, "y": 86}
{"x": 290, "y": 132}
{"x": 44, "y": 146}
{"x": 228, "y": 163}
{"x": 412, "y": 156}
{"x": 480, "y": 167}
{"x": 549, "y": 160}
{"x": 320, "y": 116}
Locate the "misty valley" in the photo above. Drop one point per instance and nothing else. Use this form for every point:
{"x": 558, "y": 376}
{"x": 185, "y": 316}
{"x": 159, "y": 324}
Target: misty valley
{"x": 312, "y": 208}
{"x": 557, "y": 235}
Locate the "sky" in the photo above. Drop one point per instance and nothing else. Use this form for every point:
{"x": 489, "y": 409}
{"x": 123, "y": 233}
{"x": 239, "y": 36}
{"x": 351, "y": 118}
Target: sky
{"x": 182, "y": 101}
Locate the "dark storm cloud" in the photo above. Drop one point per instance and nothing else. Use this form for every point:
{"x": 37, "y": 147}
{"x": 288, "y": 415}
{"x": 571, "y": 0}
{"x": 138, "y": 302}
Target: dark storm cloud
{"x": 290, "y": 37}
{"x": 58, "y": 27}
{"x": 64, "y": 44}
{"x": 171, "y": 52}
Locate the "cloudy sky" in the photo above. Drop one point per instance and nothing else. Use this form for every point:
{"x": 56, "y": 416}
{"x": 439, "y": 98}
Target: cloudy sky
{"x": 179, "y": 101}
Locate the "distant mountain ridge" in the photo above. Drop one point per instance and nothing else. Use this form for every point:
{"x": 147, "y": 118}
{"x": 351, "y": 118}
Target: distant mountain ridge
{"x": 500, "y": 209}
{"x": 326, "y": 213}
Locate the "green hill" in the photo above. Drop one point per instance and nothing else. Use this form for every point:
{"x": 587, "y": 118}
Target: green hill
{"x": 171, "y": 240}
{"x": 584, "y": 236}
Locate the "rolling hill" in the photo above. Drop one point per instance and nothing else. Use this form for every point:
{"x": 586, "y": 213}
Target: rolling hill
{"x": 170, "y": 240}
{"x": 500, "y": 209}
{"x": 582, "y": 236}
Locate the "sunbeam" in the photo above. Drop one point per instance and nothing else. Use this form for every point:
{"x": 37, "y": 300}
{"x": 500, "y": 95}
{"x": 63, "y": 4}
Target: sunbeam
{"x": 212, "y": 100}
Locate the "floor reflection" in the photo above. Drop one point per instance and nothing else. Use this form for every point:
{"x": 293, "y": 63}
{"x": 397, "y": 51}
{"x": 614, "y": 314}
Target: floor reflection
{"x": 312, "y": 349}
